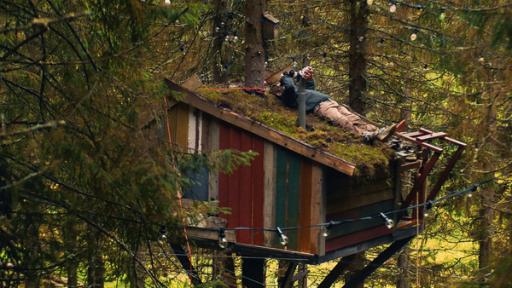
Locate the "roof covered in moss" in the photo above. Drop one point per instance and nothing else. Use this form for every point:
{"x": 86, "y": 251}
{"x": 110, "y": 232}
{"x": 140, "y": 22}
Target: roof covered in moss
{"x": 269, "y": 111}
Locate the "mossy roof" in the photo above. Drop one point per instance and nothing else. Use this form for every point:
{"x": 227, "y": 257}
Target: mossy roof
{"x": 269, "y": 111}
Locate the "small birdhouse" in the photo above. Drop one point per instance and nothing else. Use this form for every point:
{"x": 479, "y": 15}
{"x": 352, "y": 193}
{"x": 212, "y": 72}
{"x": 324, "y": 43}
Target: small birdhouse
{"x": 269, "y": 27}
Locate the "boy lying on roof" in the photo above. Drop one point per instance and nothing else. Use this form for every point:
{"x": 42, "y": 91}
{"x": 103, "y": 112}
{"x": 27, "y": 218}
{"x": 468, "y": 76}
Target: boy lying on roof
{"x": 323, "y": 106}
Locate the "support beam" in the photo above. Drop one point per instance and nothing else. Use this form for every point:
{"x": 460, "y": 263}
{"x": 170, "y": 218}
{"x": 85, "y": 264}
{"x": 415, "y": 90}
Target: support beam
{"x": 377, "y": 262}
{"x": 336, "y": 272}
{"x": 286, "y": 280}
{"x": 187, "y": 265}
{"x": 253, "y": 272}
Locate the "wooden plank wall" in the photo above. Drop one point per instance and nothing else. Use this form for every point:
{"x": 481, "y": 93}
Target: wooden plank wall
{"x": 186, "y": 129}
{"x": 279, "y": 188}
{"x": 178, "y": 122}
{"x": 242, "y": 191}
{"x": 269, "y": 207}
{"x": 351, "y": 197}
{"x": 298, "y": 200}
{"x": 288, "y": 166}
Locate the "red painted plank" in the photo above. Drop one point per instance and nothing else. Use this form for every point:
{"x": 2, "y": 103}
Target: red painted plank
{"x": 242, "y": 191}
{"x": 259, "y": 189}
{"x": 245, "y": 191}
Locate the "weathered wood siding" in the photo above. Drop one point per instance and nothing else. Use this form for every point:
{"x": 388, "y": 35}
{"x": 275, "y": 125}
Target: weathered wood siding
{"x": 242, "y": 191}
{"x": 353, "y": 197}
{"x": 186, "y": 133}
{"x": 298, "y": 199}
{"x": 281, "y": 188}
{"x": 288, "y": 167}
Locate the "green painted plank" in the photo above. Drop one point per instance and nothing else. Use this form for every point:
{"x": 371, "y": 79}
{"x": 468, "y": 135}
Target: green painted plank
{"x": 287, "y": 193}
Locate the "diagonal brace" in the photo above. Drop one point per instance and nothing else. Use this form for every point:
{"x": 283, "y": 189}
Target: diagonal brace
{"x": 336, "y": 272}
{"x": 187, "y": 265}
{"x": 360, "y": 276}
{"x": 286, "y": 281}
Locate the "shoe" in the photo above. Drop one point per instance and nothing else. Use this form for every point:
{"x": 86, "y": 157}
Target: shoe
{"x": 368, "y": 138}
{"x": 384, "y": 133}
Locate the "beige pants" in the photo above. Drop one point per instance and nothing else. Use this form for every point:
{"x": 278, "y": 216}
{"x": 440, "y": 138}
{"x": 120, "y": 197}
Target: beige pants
{"x": 343, "y": 117}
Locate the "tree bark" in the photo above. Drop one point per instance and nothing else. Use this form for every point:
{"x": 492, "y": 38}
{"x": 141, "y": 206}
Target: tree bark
{"x": 358, "y": 54}
{"x": 254, "y": 50}
{"x": 220, "y": 28}
{"x": 96, "y": 266}
{"x": 70, "y": 241}
{"x": 403, "y": 268}
{"x": 486, "y": 195}
{"x": 137, "y": 271}
{"x": 32, "y": 278}
{"x": 354, "y": 267}
{"x": 484, "y": 251}
{"x": 229, "y": 271}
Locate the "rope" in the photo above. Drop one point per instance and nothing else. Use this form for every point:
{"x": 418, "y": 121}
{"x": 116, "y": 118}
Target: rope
{"x": 178, "y": 192}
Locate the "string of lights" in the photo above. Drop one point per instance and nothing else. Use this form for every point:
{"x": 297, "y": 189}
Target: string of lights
{"x": 386, "y": 217}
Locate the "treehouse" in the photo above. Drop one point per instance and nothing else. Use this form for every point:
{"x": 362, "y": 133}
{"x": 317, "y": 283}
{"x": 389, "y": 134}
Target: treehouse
{"x": 322, "y": 190}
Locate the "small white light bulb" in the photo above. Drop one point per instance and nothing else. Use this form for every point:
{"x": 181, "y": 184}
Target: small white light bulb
{"x": 223, "y": 242}
{"x": 283, "y": 238}
{"x": 387, "y": 221}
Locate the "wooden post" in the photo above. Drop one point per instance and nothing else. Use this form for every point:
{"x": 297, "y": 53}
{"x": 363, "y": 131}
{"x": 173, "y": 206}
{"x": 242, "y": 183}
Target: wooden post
{"x": 301, "y": 99}
{"x": 253, "y": 272}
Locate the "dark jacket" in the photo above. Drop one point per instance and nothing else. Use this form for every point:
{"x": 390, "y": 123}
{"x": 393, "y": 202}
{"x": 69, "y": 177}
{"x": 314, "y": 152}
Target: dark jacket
{"x": 291, "y": 93}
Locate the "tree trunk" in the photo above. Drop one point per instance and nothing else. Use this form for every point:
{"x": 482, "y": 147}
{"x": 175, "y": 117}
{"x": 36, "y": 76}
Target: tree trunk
{"x": 403, "y": 269}
{"x": 484, "y": 251}
{"x": 358, "y": 54}
{"x": 229, "y": 271}
{"x": 70, "y": 234}
{"x": 137, "y": 272}
{"x": 486, "y": 195}
{"x": 220, "y": 28}
{"x": 254, "y": 50}
{"x": 96, "y": 266}
{"x": 33, "y": 262}
{"x": 354, "y": 267}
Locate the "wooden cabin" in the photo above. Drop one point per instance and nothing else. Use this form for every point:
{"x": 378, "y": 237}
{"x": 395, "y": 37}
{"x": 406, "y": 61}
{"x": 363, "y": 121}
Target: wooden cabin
{"x": 298, "y": 178}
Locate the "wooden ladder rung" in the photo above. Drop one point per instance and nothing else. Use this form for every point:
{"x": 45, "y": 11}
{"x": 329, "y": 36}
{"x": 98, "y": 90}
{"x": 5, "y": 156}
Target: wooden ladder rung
{"x": 431, "y": 136}
{"x": 414, "y": 134}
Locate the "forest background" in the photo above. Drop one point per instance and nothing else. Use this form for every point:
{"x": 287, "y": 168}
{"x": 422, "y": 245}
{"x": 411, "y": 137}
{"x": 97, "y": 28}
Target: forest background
{"x": 84, "y": 198}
